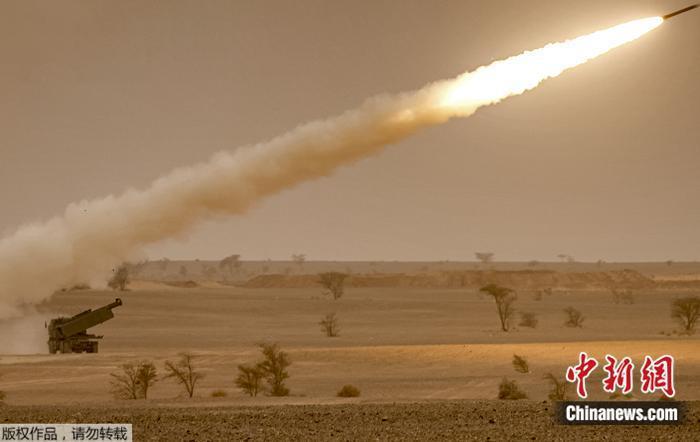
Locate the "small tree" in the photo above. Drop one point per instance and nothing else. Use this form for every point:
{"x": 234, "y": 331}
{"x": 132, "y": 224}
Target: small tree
{"x": 184, "y": 372}
{"x": 250, "y": 379}
{"x": 274, "y": 367}
{"x": 329, "y": 325}
{"x": 558, "y": 391}
{"x": 146, "y": 377}
{"x": 520, "y": 364}
{"x": 133, "y": 380}
{"x": 120, "y": 279}
{"x": 528, "y": 319}
{"x": 622, "y": 296}
{"x": 687, "y": 312}
{"x": 230, "y": 263}
{"x": 510, "y": 390}
{"x": 504, "y": 298}
{"x": 484, "y": 257}
{"x": 574, "y": 318}
{"x": 333, "y": 282}
{"x": 299, "y": 259}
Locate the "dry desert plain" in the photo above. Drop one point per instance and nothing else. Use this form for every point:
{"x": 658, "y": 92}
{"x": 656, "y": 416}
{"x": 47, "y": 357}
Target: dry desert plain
{"x": 420, "y": 350}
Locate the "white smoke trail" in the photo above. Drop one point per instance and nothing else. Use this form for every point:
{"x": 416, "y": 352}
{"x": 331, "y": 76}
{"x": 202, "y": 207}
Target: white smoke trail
{"x": 91, "y": 237}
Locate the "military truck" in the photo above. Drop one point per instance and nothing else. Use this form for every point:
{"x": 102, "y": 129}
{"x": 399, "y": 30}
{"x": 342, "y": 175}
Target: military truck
{"x": 69, "y": 335}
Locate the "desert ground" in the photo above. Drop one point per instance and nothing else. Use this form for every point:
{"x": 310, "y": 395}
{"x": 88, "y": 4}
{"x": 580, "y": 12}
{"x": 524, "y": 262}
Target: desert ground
{"x": 407, "y": 345}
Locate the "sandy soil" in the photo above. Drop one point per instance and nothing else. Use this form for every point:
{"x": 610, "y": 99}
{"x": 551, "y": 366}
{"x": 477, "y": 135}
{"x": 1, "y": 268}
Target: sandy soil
{"x": 398, "y": 346}
{"x": 441, "y": 420}
{"x": 395, "y": 344}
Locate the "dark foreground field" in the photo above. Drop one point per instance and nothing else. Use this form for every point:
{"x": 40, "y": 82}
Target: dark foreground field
{"x": 443, "y": 420}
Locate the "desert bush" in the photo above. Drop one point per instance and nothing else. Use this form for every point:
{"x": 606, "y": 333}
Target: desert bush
{"x": 348, "y": 391}
{"x": 219, "y": 393}
{"x": 484, "y": 257}
{"x": 528, "y": 319}
{"x": 510, "y": 390}
{"x": 687, "y": 312}
{"x": 120, "y": 279}
{"x": 574, "y": 318}
{"x": 329, "y": 325}
{"x": 622, "y": 296}
{"x": 250, "y": 379}
{"x": 333, "y": 282}
{"x": 520, "y": 364}
{"x": 504, "y": 298}
{"x": 299, "y": 259}
{"x": 559, "y": 386}
{"x": 274, "y": 367}
{"x": 230, "y": 263}
{"x": 134, "y": 380}
{"x": 184, "y": 372}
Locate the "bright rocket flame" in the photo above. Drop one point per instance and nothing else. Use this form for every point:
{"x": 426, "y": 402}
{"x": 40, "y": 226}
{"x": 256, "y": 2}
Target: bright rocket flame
{"x": 515, "y": 75}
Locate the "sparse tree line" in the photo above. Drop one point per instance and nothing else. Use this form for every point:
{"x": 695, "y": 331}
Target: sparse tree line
{"x": 685, "y": 311}
{"x": 268, "y": 375}
{"x": 135, "y": 379}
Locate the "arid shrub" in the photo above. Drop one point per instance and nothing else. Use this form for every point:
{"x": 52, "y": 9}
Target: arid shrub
{"x": 484, "y": 257}
{"x": 250, "y": 379}
{"x": 274, "y": 367}
{"x": 687, "y": 312}
{"x": 134, "y": 380}
{"x": 520, "y": 364}
{"x": 333, "y": 282}
{"x": 184, "y": 372}
{"x": 329, "y": 325}
{"x": 349, "y": 391}
{"x": 504, "y": 298}
{"x": 622, "y": 296}
{"x": 574, "y": 318}
{"x": 559, "y": 386}
{"x": 510, "y": 390}
{"x": 230, "y": 263}
{"x": 120, "y": 279}
{"x": 528, "y": 319}
{"x": 219, "y": 393}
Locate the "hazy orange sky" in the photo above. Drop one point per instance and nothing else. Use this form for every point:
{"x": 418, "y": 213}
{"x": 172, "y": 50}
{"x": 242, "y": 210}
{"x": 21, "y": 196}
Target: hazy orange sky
{"x": 602, "y": 162}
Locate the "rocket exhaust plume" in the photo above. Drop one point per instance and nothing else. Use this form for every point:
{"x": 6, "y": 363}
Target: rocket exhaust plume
{"x": 91, "y": 237}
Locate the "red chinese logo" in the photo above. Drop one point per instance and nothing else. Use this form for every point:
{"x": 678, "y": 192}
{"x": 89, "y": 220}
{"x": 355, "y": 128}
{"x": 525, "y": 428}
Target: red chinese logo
{"x": 619, "y": 374}
{"x": 580, "y": 372}
{"x": 657, "y": 374}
